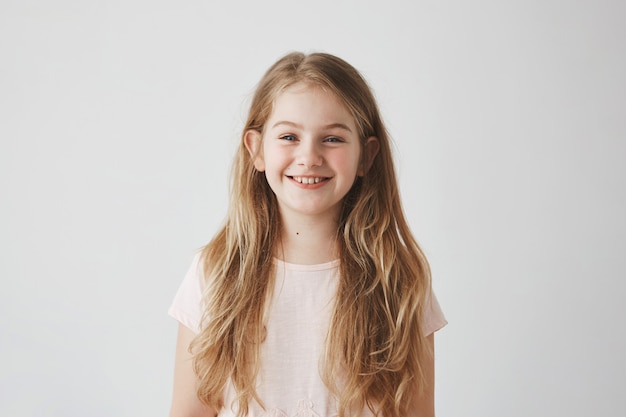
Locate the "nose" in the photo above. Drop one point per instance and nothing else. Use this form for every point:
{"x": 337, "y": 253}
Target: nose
{"x": 309, "y": 155}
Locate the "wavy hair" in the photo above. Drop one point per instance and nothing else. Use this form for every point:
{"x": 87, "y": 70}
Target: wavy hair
{"x": 375, "y": 340}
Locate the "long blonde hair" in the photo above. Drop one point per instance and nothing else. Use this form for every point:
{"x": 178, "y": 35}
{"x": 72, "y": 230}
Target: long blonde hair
{"x": 375, "y": 339}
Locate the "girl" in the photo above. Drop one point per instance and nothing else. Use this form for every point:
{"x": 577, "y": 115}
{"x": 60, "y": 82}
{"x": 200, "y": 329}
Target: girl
{"x": 314, "y": 299}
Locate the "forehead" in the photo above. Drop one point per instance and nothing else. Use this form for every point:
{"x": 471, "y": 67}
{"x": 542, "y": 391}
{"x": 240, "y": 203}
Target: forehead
{"x": 312, "y": 103}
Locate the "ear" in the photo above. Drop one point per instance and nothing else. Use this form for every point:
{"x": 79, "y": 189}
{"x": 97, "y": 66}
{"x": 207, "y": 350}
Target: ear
{"x": 369, "y": 153}
{"x": 252, "y": 140}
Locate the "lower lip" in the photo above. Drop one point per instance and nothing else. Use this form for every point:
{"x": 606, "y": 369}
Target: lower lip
{"x": 309, "y": 186}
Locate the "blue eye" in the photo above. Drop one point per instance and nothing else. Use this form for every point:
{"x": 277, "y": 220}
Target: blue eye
{"x": 333, "y": 139}
{"x": 288, "y": 137}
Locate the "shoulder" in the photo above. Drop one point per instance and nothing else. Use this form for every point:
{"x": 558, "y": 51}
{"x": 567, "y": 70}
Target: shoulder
{"x": 434, "y": 319}
{"x": 187, "y": 304}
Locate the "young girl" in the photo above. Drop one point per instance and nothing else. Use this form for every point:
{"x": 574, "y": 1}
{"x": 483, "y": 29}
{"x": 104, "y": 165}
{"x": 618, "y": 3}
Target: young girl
{"x": 314, "y": 299}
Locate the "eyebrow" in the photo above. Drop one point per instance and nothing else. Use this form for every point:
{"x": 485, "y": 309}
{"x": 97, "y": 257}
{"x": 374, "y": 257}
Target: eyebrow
{"x": 297, "y": 126}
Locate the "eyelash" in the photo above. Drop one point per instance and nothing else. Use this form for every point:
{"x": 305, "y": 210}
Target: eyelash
{"x": 335, "y": 139}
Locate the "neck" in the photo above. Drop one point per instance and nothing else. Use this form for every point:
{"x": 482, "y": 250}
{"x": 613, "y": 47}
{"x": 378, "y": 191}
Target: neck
{"x": 307, "y": 240}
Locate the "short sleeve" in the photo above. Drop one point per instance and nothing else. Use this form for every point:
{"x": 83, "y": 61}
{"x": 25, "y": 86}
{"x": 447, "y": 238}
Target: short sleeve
{"x": 187, "y": 304}
{"x": 433, "y": 316}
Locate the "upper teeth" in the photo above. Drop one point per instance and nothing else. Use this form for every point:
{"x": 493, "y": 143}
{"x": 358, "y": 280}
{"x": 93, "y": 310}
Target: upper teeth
{"x": 307, "y": 180}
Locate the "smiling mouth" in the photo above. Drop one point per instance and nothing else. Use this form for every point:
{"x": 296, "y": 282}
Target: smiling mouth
{"x": 309, "y": 180}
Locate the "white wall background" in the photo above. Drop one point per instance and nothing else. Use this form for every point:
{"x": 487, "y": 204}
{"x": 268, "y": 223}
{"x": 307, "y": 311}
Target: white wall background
{"x": 118, "y": 120}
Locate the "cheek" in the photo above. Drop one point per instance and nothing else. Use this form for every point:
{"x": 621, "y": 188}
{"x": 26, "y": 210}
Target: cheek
{"x": 349, "y": 161}
{"x": 273, "y": 162}
{"x": 273, "y": 152}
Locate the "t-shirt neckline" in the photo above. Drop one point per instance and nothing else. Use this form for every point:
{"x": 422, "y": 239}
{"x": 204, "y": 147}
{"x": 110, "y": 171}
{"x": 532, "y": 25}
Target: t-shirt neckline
{"x": 303, "y": 267}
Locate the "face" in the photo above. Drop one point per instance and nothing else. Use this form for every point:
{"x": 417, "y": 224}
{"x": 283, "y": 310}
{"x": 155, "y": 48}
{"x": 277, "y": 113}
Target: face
{"x": 309, "y": 150}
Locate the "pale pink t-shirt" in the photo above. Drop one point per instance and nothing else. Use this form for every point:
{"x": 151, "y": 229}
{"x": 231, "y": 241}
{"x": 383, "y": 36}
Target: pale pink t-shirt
{"x": 289, "y": 381}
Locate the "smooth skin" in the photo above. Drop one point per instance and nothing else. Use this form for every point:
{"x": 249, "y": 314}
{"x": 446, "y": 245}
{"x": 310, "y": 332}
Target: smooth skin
{"x": 311, "y": 154}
